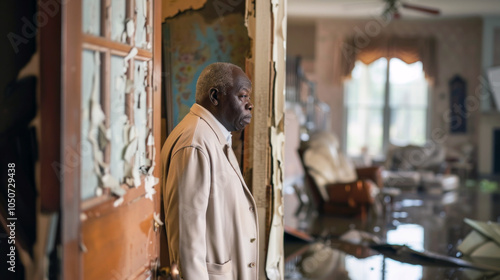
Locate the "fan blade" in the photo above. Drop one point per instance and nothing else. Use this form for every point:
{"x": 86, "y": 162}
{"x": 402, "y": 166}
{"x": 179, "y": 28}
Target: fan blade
{"x": 421, "y": 9}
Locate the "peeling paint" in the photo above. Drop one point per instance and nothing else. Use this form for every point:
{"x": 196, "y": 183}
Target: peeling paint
{"x": 171, "y": 8}
{"x": 275, "y": 252}
{"x": 150, "y": 180}
{"x": 112, "y": 183}
{"x": 250, "y": 19}
{"x": 99, "y": 136}
{"x": 135, "y": 136}
{"x": 118, "y": 202}
{"x": 130, "y": 149}
{"x": 141, "y": 23}
{"x": 149, "y": 184}
{"x": 132, "y": 53}
{"x": 130, "y": 28}
{"x": 267, "y": 30}
{"x": 275, "y": 255}
{"x": 98, "y": 192}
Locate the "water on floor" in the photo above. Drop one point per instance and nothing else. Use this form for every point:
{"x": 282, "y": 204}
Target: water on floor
{"x": 421, "y": 221}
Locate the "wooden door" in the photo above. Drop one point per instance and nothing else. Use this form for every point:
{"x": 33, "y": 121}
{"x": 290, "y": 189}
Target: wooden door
{"x": 111, "y": 126}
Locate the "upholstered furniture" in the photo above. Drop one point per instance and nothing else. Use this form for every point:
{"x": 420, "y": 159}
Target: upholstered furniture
{"x": 430, "y": 157}
{"x": 335, "y": 186}
{"x": 411, "y": 167}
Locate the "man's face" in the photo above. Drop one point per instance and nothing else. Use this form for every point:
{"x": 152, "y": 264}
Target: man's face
{"x": 235, "y": 104}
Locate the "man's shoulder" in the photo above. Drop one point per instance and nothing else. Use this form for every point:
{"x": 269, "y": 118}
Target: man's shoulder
{"x": 192, "y": 131}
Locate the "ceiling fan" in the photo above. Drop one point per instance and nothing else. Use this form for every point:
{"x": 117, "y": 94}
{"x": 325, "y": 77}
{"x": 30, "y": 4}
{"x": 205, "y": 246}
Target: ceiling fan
{"x": 393, "y": 7}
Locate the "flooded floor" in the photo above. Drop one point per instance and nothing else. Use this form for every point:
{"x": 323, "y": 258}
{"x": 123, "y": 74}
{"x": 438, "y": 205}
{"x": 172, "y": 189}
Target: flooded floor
{"x": 422, "y": 221}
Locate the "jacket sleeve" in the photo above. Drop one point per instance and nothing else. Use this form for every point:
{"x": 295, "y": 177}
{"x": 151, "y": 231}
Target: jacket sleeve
{"x": 186, "y": 199}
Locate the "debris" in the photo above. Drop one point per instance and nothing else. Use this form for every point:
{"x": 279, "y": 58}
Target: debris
{"x": 483, "y": 241}
{"x": 404, "y": 254}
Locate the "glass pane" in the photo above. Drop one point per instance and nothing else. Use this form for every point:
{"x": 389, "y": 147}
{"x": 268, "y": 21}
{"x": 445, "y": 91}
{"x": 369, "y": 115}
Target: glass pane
{"x": 377, "y": 72}
{"x": 118, "y": 118}
{"x": 91, "y": 17}
{"x": 140, "y": 29}
{"x": 352, "y": 86}
{"x": 118, "y": 12}
{"x": 367, "y": 85}
{"x": 91, "y": 73}
{"x": 401, "y": 132}
{"x": 365, "y": 103}
{"x": 408, "y": 84}
{"x": 408, "y": 101}
{"x": 140, "y": 111}
{"x": 364, "y": 130}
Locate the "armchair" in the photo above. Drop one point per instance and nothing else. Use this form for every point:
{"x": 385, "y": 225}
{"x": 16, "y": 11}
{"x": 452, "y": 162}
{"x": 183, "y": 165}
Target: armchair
{"x": 336, "y": 187}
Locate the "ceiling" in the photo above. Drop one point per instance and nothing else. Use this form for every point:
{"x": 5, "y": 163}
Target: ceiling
{"x": 370, "y": 8}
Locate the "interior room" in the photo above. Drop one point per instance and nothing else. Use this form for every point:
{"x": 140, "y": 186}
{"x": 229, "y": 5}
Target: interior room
{"x": 383, "y": 82}
{"x": 373, "y": 150}
{"x": 90, "y": 90}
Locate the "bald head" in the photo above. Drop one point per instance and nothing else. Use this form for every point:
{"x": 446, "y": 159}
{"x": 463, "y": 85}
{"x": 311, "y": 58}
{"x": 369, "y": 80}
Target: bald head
{"x": 217, "y": 75}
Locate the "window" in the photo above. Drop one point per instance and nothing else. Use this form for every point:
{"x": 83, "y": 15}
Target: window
{"x": 385, "y": 102}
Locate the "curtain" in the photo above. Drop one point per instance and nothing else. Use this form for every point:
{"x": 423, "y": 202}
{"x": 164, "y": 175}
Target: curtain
{"x": 367, "y": 50}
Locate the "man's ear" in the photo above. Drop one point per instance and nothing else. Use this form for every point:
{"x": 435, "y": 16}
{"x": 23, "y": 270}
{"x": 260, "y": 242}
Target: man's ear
{"x": 213, "y": 96}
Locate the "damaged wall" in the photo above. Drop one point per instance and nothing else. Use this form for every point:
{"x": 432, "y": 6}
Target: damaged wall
{"x": 263, "y": 161}
{"x": 251, "y": 34}
{"x": 192, "y": 41}
{"x": 171, "y": 8}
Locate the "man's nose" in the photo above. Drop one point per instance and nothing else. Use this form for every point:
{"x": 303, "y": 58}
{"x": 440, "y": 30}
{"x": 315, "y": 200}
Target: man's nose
{"x": 249, "y": 105}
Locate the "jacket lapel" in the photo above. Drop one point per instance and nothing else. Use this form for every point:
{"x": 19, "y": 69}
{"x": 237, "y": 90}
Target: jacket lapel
{"x": 234, "y": 163}
{"x": 212, "y": 122}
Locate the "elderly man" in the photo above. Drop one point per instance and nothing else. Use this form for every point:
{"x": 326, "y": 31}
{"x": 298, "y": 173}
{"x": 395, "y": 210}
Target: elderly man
{"x": 210, "y": 215}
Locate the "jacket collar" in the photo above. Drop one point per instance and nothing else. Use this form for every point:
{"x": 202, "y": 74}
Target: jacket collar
{"x": 203, "y": 113}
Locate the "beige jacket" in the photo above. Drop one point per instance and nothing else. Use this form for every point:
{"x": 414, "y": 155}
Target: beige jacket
{"x": 210, "y": 215}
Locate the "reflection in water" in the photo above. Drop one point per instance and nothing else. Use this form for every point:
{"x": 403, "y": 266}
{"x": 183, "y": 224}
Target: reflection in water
{"x": 369, "y": 268}
{"x": 373, "y": 267}
{"x": 422, "y": 221}
{"x": 407, "y": 234}
{"x": 410, "y": 203}
{"x": 413, "y": 236}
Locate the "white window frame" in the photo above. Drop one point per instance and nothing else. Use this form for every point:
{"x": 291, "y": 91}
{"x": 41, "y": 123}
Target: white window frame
{"x": 386, "y": 117}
